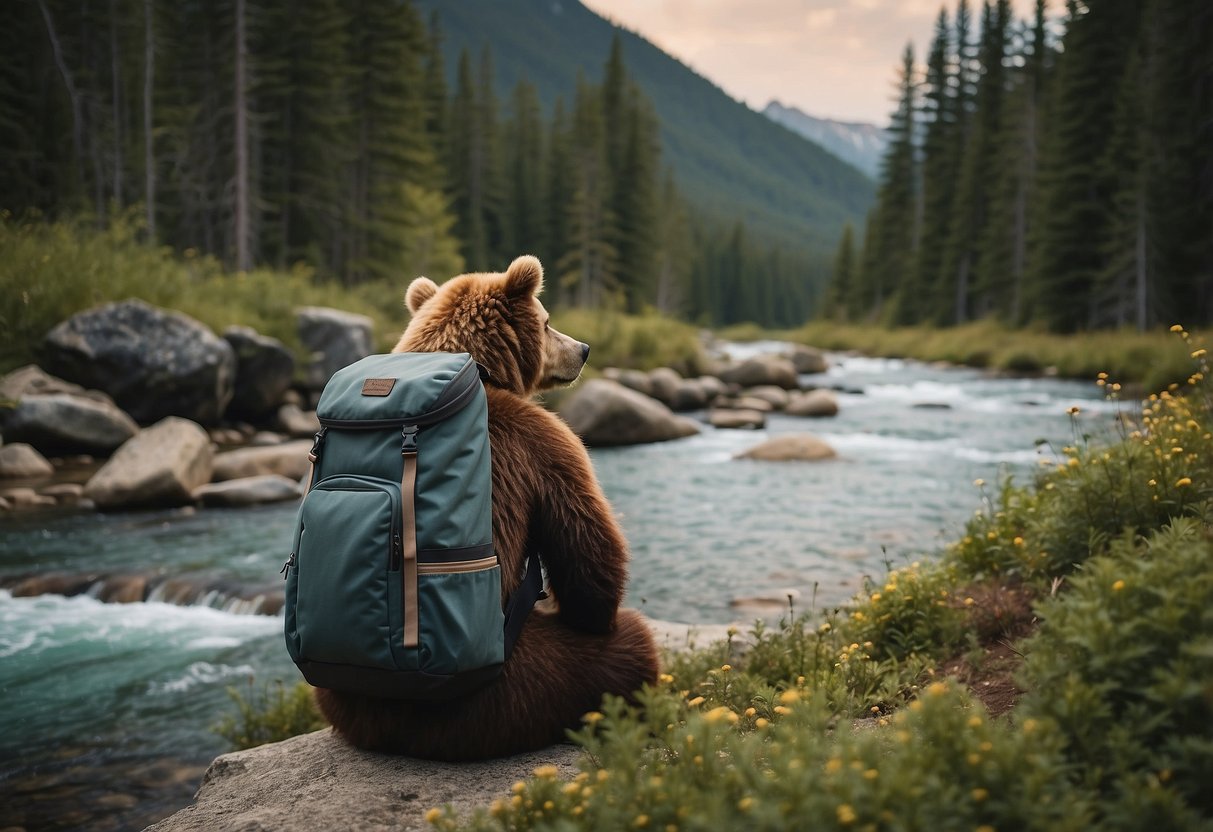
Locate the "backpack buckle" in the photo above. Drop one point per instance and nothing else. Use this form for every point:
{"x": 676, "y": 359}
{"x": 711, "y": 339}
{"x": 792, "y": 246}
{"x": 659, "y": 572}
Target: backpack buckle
{"x": 408, "y": 440}
{"x": 314, "y": 453}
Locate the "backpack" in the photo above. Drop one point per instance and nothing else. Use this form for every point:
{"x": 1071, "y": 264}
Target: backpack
{"x": 393, "y": 588}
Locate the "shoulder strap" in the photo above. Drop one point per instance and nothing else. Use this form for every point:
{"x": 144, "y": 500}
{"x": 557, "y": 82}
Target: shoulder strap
{"x": 519, "y": 606}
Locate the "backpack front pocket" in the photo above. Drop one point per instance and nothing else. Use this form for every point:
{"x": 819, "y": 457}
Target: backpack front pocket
{"x": 348, "y": 549}
{"x": 460, "y": 609}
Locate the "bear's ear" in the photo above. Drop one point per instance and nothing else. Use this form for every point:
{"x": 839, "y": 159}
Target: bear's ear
{"x": 419, "y": 291}
{"x": 524, "y": 277}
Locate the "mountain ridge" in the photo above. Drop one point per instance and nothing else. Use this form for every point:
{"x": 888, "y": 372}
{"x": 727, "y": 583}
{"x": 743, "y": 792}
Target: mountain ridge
{"x": 858, "y": 143}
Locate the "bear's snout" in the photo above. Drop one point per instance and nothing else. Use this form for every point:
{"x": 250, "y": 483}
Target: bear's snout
{"x": 585, "y": 351}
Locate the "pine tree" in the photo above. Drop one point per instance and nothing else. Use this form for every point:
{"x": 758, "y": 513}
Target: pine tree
{"x": 427, "y": 245}
{"x": 436, "y": 94}
{"x": 833, "y": 304}
{"x": 672, "y": 262}
{"x": 524, "y": 167}
{"x": 589, "y": 267}
{"x": 634, "y": 201}
{"x": 560, "y": 180}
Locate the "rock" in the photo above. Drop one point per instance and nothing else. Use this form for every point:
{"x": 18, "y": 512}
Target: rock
{"x": 226, "y": 436}
{"x": 606, "y": 413}
{"x": 712, "y": 387}
{"x": 744, "y": 403}
{"x": 162, "y": 466}
{"x": 52, "y": 583}
{"x": 672, "y": 635}
{"x": 248, "y": 491}
{"x": 943, "y": 405}
{"x": 792, "y": 447}
{"x": 5, "y": 505}
{"x": 296, "y": 422}
{"x": 776, "y": 397}
{"x": 334, "y": 339}
{"x": 154, "y": 363}
{"x": 22, "y": 461}
{"x": 317, "y": 781}
{"x": 663, "y": 385}
{"x": 689, "y": 395}
{"x": 60, "y": 423}
{"x": 288, "y": 459}
{"x": 807, "y": 359}
{"x": 762, "y": 369}
{"x": 734, "y": 419}
{"x": 123, "y": 589}
{"x": 264, "y": 368}
{"x": 32, "y": 380}
{"x": 25, "y": 498}
{"x": 812, "y": 404}
{"x": 265, "y": 438}
{"x": 636, "y": 380}
{"x": 64, "y": 492}
{"x": 777, "y": 602}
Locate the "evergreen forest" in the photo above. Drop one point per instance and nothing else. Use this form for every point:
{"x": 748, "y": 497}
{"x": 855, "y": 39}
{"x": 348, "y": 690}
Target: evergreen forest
{"x": 330, "y": 135}
{"x": 1054, "y": 172}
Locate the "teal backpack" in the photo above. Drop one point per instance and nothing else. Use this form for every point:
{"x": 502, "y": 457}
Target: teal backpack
{"x": 392, "y": 586}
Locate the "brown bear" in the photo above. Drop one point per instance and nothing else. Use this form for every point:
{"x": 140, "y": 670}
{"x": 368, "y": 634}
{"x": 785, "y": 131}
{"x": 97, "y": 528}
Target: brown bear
{"x": 545, "y": 497}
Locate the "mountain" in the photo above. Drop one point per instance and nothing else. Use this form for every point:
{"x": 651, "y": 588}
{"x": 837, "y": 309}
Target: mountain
{"x": 730, "y": 161}
{"x": 856, "y": 143}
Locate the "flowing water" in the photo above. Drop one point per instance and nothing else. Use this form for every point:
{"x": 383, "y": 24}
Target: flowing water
{"x": 108, "y": 708}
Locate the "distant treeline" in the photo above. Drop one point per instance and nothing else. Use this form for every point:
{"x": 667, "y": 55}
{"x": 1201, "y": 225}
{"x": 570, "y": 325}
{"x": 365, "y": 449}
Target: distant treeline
{"x": 272, "y": 133}
{"x": 1059, "y": 181}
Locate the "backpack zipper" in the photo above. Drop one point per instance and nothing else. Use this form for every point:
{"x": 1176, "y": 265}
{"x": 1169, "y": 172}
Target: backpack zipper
{"x": 465, "y": 392}
{"x": 457, "y": 566}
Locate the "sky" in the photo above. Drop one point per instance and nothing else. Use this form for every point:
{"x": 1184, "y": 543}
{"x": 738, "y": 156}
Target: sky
{"x": 831, "y": 58}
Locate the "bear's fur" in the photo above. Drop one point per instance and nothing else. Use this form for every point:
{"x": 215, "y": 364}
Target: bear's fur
{"x": 545, "y": 496}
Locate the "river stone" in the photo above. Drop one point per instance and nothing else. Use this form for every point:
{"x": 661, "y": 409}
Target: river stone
{"x": 606, "y": 413}
{"x": 63, "y": 492}
{"x": 807, "y": 359}
{"x": 745, "y": 403}
{"x": 636, "y": 380}
{"x": 663, "y": 385}
{"x": 22, "y": 461}
{"x": 248, "y": 491}
{"x": 161, "y": 466}
{"x": 689, "y": 395}
{"x": 288, "y": 459}
{"x": 813, "y": 403}
{"x": 297, "y": 422}
{"x": 154, "y": 363}
{"x": 736, "y": 419}
{"x": 19, "y": 498}
{"x": 123, "y": 589}
{"x": 334, "y": 339}
{"x": 32, "y": 380}
{"x": 792, "y": 447}
{"x": 776, "y": 397}
{"x": 264, "y": 368}
{"x": 762, "y": 369}
{"x": 317, "y": 781}
{"x": 265, "y": 438}
{"x": 60, "y": 423}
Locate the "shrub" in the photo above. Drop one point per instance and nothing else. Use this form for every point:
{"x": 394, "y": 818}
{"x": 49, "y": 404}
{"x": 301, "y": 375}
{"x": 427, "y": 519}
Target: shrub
{"x": 272, "y": 713}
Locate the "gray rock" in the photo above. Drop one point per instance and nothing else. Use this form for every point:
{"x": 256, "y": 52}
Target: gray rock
{"x": 21, "y": 498}
{"x": 22, "y": 461}
{"x": 736, "y": 419}
{"x": 32, "y": 380}
{"x": 744, "y": 403}
{"x": 792, "y": 447}
{"x": 317, "y": 781}
{"x": 248, "y": 491}
{"x": 296, "y": 422}
{"x": 606, "y": 413}
{"x": 663, "y": 385}
{"x": 807, "y": 359}
{"x": 64, "y": 492}
{"x": 689, "y": 395}
{"x": 162, "y": 466}
{"x": 62, "y": 423}
{"x": 334, "y": 339}
{"x": 265, "y": 438}
{"x": 636, "y": 380}
{"x": 776, "y": 602}
{"x": 762, "y": 369}
{"x": 776, "y": 397}
{"x": 264, "y": 368}
{"x": 226, "y": 436}
{"x": 814, "y": 403}
{"x": 5, "y": 505}
{"x": 154, "y": 363}
{"x": 288, "y": 459}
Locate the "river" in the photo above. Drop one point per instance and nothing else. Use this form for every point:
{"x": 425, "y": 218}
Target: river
{"x": 108, "y": 708}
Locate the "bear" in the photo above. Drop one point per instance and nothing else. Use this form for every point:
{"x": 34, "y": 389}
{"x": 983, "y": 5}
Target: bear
{"x": 577, "y": 645}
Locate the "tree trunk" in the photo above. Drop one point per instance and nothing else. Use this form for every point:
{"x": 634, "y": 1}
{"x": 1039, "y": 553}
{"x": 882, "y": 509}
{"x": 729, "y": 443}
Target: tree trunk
{"x": 116, "y": 103}
{"x": 72, "y": 93}
{"x": 244, "y": 260}
{"x": 149, "y": 166}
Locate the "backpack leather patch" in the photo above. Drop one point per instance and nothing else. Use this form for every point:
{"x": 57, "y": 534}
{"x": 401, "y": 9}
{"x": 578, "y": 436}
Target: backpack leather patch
{"x": 378, "y": 386}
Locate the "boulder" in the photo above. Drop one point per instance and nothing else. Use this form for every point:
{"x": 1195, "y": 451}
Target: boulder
{"x": 317, "y": 781}
{"x": 762, "y": 369}
{"x": 288, "y": 459}
{"x": 636, "y": 380}
{"x": 776, "y": 397}
{"x": 689, "y": 395}
{"x": 606, "y": 413}
{"x": 264, "y": 438}
{"x": 32, "y": 380}
{"x": 334, "y": 339}
{"x": 64, "y": 492}
{"x": 744, "y": 403}
{"x": 248, "y": 491}
{"x": 18, "y": 498}
{"x": 813, "y": 404}
{"x": 792, "y": 447}
{"x": 807, "y": 359}
{"x": 154, "y": 363}
{"x": 264, "y": 368}
{"x": 663, "y": 385}
{"x": 62, "y": 423}
{"x": 161, "y": 466}
{"x": 737, "y": 419}
{"x": 712, "y": 387}
{"x": 297, "y": 422}
{"x": 22, "y": 461}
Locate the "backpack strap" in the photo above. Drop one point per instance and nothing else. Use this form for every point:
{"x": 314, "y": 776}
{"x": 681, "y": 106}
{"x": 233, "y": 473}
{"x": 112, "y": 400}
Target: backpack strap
{"x": 519, "y": 606}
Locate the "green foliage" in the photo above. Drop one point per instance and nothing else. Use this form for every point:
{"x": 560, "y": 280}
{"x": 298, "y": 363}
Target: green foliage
{"x": 643, "y": 342}
{"x": 272, "y": 713}
{"x": 1123, "y": 668}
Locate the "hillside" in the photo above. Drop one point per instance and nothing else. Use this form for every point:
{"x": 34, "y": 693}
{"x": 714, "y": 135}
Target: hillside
{"x": 729, "y": 160}
{"x": 859, "y": 144}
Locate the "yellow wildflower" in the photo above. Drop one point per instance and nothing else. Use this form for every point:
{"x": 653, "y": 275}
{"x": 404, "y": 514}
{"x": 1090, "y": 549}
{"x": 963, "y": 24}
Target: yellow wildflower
{"x": 875, "y": 597}
{"x": 641, "y": 821}
{"x": 571, "y": 788}
{"x": 846, "y": 815}
{"x": 1201, "y": 353}
{"x": 546, "y": 772}
{"x": 937, "y": 689}
{"x": 975, "y": 721}
{"x": 745, "y": 803}
{"x": 1118, "y": 586}
{"x": 871, "y": 774}
{"x": 1183, "y": 481}
{"x": 548, "y": 805}
{"x": 782, "y": 711}
{"x": 696, "y": 702}
{"x": 665, "y": 678}
{"x": 750, "y": 711}
{"x": 789, "y": 696}
{"x": 725, "y": 668}
{"x": 518, "y": 788}
{"x": 592, "y": 717}
{"x": 969, "y": 602}
{"x": 761, "y": 723}
{"x": 980, "y": 794}
{"x": 433, "y": 815}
